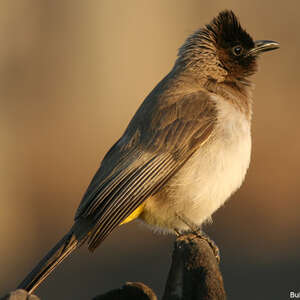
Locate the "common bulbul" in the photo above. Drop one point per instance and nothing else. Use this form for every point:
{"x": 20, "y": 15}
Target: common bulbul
{"x": 185, "y": 151}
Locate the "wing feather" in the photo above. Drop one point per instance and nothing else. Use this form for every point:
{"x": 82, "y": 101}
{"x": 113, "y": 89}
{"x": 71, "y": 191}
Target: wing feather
{"x": 131, "y": 197}
{"x": 145, "y": 157}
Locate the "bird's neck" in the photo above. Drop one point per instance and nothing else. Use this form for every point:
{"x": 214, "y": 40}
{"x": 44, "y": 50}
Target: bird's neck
{"x": 238, "y": 92}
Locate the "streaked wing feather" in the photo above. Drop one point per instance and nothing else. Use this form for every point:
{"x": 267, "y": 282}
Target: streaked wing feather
{"x": 144, "y": 159}
{"x": 131, "y": 196}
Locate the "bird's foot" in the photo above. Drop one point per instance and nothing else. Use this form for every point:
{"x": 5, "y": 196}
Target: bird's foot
{"x": 198, "y": 232}
{"x": 212, "y": 244}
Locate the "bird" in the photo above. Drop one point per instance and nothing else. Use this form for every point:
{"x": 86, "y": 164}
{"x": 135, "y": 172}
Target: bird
{"x": 185, "y": 151}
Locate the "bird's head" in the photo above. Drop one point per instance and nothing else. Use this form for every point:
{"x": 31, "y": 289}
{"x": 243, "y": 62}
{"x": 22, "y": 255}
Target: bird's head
{"x": 223, "y": 50}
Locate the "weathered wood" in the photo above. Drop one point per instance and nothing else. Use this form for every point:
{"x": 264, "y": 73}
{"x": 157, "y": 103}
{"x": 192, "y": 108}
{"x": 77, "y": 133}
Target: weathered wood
{"x": 131, "y": 290}
{"x": 19, "y": 295}
{"x": 195, "y": 272}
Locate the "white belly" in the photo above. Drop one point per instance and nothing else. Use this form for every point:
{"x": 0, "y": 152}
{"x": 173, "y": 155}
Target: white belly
{"x": 208, "y": 178}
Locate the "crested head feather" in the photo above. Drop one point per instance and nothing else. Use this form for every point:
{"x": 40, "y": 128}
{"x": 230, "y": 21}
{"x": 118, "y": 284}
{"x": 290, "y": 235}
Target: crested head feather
{"x": 227, "y": 29}
{"x": 210, "y": 48}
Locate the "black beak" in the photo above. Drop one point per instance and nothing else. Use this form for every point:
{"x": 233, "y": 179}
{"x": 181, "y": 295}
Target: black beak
{"x": 263, "y": 46}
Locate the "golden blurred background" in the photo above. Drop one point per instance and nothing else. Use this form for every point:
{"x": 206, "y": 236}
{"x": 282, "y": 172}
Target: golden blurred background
{"x": 72, "y": 75}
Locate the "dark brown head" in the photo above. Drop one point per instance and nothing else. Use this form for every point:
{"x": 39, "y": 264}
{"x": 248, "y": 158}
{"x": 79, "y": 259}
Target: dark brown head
{"x": 223, "y": 50}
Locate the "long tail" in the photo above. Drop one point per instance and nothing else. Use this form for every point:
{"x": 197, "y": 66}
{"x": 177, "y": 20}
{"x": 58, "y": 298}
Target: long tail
{"x": 56, "y": 255}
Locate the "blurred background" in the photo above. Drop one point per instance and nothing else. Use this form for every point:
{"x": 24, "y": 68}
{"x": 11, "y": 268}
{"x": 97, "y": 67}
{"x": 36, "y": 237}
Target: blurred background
{"x": 72, "y": 75}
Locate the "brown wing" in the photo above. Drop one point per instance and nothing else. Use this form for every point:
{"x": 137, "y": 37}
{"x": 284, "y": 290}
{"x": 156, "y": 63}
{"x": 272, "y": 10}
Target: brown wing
{"x": 147, "y": 155}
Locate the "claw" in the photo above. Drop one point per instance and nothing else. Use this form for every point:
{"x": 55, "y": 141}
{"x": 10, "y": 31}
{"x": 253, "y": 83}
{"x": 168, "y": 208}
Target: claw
{"x": 196, "y": 230}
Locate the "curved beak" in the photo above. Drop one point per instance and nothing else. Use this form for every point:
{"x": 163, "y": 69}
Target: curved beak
{"x": 263, "y": 46}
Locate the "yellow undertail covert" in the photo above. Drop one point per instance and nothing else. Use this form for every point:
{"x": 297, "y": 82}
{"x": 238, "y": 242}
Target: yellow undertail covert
{"x": 134, "y": 215}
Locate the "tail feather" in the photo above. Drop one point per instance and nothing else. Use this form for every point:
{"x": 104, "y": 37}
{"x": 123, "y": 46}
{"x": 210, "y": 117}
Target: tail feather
{"x": 56, "y": 255}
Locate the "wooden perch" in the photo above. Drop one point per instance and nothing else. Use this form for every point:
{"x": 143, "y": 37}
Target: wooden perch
{"x": 20, "y": 295}
{"x": 130, "y": 291}
{"x": 194, "y": 275}
{"x": 195, "y": 272}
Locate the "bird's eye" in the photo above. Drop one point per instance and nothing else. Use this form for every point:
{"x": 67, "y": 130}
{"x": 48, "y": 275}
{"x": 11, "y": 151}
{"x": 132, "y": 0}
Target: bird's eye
{"x": 237, "y": 50}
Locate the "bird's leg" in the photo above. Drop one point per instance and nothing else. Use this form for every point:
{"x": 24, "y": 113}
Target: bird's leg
{"x": 196, "y": 230}
{"x": 177, "y": 232}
